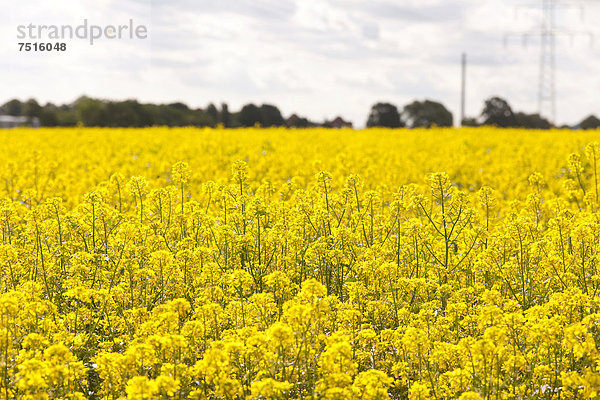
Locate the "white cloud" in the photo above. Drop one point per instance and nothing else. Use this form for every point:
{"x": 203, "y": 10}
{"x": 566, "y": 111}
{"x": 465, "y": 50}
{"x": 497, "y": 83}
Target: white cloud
{"x": 319, "y": 58}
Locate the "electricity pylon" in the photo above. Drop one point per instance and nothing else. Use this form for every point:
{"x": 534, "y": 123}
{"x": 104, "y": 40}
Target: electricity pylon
{"x": 547, "y": 33}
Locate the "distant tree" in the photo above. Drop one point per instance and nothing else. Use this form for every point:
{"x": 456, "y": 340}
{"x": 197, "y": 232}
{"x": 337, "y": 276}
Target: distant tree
{"x": 128, "y": 113}
{"x": 12, "y": 107}
{"x": 32, "y": 109}
{"x": 225, "y": 116}
{"x": 49, "y": 115}
{"x": 91, "y": 112}
{"x": 386, "y": 115}
{"x": 151, "y": 114}
{"x": 179, "y": 106}
{"x": 469, "y": 121}
{"x": 591, "y": 122}
{"x": 303, "y": 122}
{"x": 497, "y": 111}
{"x": 249, "y": 115}
{"x": 213, "y": 113}
{"x": 531, "y": 121}
{"x": 270, "y": 116}
{"x": 200, "y": 117}
{"x": 145, "y": 117}
{"x": 426, "y": 114}
{"x": 177, "y": 114}
{"x": 171, "y": 114}
{"x": 66, "y": 115}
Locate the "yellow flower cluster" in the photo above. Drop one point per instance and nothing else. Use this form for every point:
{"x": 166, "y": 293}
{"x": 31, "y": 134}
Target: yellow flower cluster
{"x": 299, "y": 264}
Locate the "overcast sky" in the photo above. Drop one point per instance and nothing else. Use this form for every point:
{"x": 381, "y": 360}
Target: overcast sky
{"x": 318, "y": 58}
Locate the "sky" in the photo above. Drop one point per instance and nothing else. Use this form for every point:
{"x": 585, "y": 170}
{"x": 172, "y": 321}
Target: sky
{"x": 316, "y": 58}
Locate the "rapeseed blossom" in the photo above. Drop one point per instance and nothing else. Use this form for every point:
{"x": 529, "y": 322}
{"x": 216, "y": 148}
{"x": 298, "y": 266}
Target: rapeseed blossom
{"x": 193, "y": 263}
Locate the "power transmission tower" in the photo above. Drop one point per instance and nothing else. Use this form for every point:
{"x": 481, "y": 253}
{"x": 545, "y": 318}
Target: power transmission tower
{"x": 547, "y": 33}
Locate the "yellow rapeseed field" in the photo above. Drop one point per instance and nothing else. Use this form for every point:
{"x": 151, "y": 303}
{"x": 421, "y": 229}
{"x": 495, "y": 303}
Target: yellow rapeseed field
{"x": 299, "y": 264}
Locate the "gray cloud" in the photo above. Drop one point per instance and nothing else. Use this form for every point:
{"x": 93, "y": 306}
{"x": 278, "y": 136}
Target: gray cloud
{"x": 259, "y": 9}
{"x": 316, "y": 57}
{"x": 437, "y": 13}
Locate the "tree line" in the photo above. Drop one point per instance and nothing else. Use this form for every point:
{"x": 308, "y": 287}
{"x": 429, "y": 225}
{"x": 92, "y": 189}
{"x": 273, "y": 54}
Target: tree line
{"x": 88, "y": 111}
{"x": 496, "y": 112}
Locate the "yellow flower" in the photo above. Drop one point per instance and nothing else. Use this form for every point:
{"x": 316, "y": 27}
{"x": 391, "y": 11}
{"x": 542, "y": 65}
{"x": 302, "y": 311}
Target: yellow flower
{"x": 141, "y": 388}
